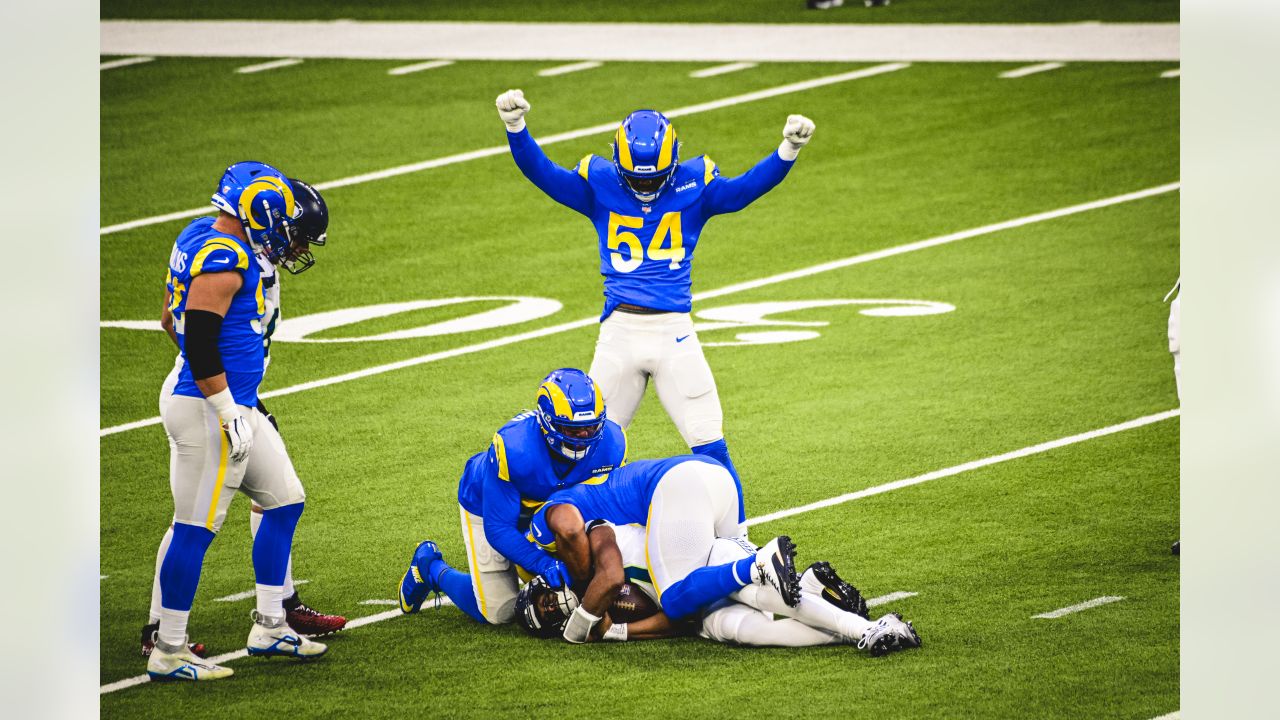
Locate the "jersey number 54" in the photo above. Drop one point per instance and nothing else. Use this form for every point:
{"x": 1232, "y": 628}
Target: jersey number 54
{"x": 667, "y": 243}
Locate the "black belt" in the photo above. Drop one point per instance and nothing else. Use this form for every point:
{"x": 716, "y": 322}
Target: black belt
{"x": 639, "y": 310}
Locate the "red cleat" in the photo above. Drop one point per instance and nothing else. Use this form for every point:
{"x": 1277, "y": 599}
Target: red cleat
{"x": 309, "y": 622}
{"x": 149, "y": 641}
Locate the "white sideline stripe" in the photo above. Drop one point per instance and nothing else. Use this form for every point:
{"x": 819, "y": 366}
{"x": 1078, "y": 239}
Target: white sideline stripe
{"x": 571, "y": 67}
{"x": 237, "y": 597}
{"x": 729, "y": 290}
{"x": 1031, "y": 70}
{"x": 428, "y": 65}
{"x": 965, "y": 467}
{"x": 721, "y": 69}
{"x": 124, "y": 62}
{"x": 286, "y": 62}
{"x": 608, "y": 127}
{"x": 443, "y": 602}
{"x": 378, "y": 602}
{"x": 1176, "y": 72}
{"x": 883, "y": 599}
{"x": 1077, "y": 608}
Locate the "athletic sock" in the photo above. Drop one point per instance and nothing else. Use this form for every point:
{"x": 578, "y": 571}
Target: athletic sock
{"x": 153, "y": 616}
{"x": 179, "y": 576}
{"x": 719, "y": 451}
{"x": 704, "y": 586}
{"x": 255, "y": 521}
{"x": 271, "y": 556}
{"x": 457, "y": 586}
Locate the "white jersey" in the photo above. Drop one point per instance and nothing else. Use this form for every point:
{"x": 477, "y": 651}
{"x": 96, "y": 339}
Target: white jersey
{"x": 631, "y": 543}
{"x": 271, "y": 303}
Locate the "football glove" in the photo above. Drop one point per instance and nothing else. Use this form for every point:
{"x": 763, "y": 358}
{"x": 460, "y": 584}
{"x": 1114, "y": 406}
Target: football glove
{"x": 795, "y": 135}
{"x": 235, "y": 426}
{"x": 511, "y": 108}
{"x": 578, "y": 629}
{"x": 556, "y": 574}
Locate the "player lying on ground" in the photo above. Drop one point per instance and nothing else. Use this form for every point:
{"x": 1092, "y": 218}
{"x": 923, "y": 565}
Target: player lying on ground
{"x": 566, "y": 439}
{"x": 212, "y": 420}
{"x": 830, "y": 610}
{"x": 310, "y": 228}
{"x": 689, "y": 554}
{"x": 649, "y": 209}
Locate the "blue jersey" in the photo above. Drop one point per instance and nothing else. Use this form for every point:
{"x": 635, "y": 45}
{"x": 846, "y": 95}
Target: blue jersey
{"x": 509, "y": 481}
{"x": 199, "y": 250}
{"x": 646, "y": 249}
{"x": 622, "y": 497}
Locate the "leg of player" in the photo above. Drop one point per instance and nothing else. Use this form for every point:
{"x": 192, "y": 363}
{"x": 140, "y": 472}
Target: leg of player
{"x": 736, "y": 624}
{"x": 618, "y": 372}
{"x": 494, "y": 582}
{"x": 1175, "y": 348}
{"x": 271, "y": 481}
{"x": 151, "y": 630}
{"x": 299, "y": 616}
{"x": 429, "y": 573}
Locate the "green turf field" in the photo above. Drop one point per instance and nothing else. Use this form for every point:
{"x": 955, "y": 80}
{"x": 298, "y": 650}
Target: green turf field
{"x": 1058, "y": 329}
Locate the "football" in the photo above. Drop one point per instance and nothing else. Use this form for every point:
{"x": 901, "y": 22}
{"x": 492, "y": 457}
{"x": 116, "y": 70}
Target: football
{"x": 632, "y": 604}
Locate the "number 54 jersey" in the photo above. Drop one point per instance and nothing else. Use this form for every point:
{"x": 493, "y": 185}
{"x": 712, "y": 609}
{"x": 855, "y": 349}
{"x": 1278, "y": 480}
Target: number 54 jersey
{"x": 646, "y": 249}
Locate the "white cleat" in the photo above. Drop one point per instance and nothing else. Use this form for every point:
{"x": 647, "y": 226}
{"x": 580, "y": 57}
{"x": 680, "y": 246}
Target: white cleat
{"x": 776, "y": 568}
{"x": 182, "y": 664}
{"x": 889, "y": 633}
{"x": 273, "y": 637}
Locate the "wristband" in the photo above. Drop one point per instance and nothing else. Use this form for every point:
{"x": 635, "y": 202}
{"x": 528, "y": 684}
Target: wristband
{"x": 617, "y": 632}
{"x": 225, "y": 405}
{"x": 515, "y": 127}
{"x": 578, "y": 629}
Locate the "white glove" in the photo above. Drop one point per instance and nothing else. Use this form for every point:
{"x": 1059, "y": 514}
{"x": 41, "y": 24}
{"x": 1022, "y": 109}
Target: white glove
{"x": 234, "y": 425}
{"x": 511, "y": 108}
{"x": 795, "y": 135}
{"x": 578, "y": 629}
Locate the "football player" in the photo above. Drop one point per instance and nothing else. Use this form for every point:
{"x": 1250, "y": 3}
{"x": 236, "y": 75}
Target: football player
{"x": 219, "y": 441}
{"x": 649, "y": 209}
{"x": 310, "y": 228}
{"x": 565, "y": 440}
{"x": 829, "y": 611}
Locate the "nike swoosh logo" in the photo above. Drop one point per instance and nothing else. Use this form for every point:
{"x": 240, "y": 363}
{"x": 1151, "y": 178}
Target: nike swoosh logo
{"x": 682, "y": 339}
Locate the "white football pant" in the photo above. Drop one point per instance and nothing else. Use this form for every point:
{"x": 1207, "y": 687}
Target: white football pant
{"x": 1175, "y": 346}
{"x": 692, "y": 505}
{"x": 632, "y": 348}
{"x": 493, "y": 576}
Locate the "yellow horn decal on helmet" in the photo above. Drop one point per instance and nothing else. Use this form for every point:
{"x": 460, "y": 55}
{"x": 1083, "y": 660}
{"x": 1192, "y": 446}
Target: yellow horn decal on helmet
{"x": 286, "y": 190}
{"x": 599, "y": 402}
{"x": 624, "y": 150}
{"x": 668, "y": 147}
{"x": 559, "y": 402}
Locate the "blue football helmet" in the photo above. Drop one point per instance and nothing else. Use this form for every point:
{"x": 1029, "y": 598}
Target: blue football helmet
{"x": 309, "y": 227}
{"x": 570, "y": 412}
{"x": 261, "y": 197}
{"x": 646, "y": 153}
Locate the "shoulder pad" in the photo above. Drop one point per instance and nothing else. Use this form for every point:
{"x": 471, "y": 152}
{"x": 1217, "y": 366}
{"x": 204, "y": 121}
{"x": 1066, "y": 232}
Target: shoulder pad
{"x": 584, "y": 166}
{"x": 709, "y": 170}
{"x": 513, "y": 443}
{"x": 219, "y": 255}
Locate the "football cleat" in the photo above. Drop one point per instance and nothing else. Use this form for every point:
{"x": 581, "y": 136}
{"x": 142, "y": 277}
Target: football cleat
{"x": 182, "y": 664}
{"x": 310, "y": 622}
{"x": 889, "y": 633}
{"x": 416, "y": 584}
{"x": 1177, "y": 549}
{"x": 570, "y": 412}
{"x": 776, "y": 563}
{"x": 149, "y": 634}
{"x": 821, "y": 579}
{"x": 271, "y": 637}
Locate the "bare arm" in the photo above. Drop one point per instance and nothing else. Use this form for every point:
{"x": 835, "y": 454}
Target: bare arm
{"x": 166, "y": 319}
{"x": 572, "y": 547}
{"x": 213, "y": 293}
{"x": 609, "y": 576}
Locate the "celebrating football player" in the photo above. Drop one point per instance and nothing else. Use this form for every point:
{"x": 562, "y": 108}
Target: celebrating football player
{"x": 310, "y": 228}
{"x": 649, "y": 209}
{"x": 219, "y": 441}
{"x": 566, "y": 439}
{"x": 671, "y": 556}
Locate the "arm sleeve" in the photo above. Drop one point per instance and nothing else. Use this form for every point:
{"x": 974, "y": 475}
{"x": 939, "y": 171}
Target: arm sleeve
{"x": 566, "y": 187}
{"x": 501, "y": 520}
{"x": 726, "y": 195}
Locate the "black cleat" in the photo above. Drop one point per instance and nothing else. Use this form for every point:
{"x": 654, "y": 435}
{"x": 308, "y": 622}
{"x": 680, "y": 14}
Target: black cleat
{"x": 776, "y": 561}
{"x": 1176, "y": 549}
{"x": 889, "y": 634}
{"x": 837, "y": 591}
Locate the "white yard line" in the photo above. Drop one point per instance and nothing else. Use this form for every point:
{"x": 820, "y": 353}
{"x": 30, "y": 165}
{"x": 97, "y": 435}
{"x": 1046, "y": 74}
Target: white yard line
{"x": 378, "y": 602}
{"x": 1030, "y": 70}
{"x": 1175, "y": 715}
{"x": 237, "y": 597}
{"x": 721, "y": 69}
{"x": 966, "y": 467}
{"x": 675, "y": 42}
{"x": 1077, "y": 608}
{"x": 570, "y": 68}
{"x": 124, "y": 62}
{"x": 417, "y": 67}
{"x": 260, "y": 67}
{"x": 1139, "y": 422}
{"x": 707, "y": 295}
{"x": 884, "y": 599}
{"x": 608, "y": 127}
{"x": 1176, "y": 72}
